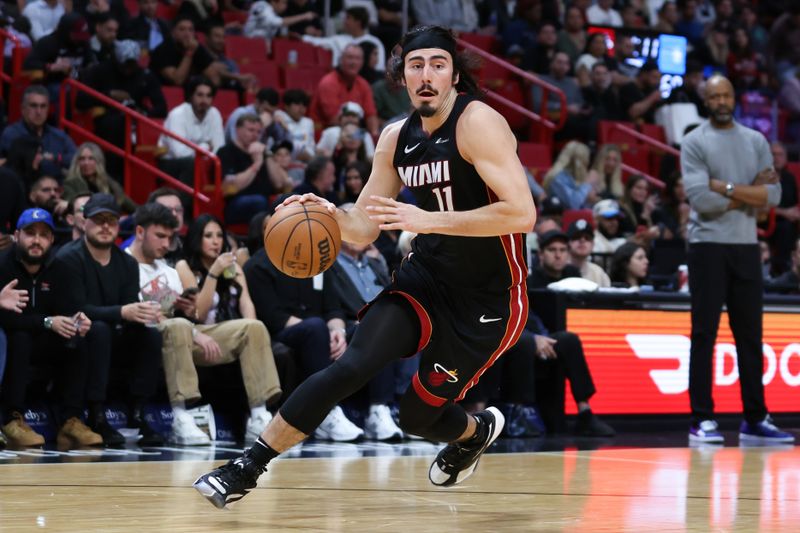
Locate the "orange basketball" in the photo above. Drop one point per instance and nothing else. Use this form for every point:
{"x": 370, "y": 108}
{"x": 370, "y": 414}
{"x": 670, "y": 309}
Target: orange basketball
{"x": 302, "y": 240}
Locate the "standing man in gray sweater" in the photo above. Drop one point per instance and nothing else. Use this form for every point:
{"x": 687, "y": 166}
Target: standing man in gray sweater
{"x": 728, "y": 175}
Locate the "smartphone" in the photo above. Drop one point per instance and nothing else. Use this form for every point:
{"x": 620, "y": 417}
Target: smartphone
{"x": 191, "y": 291}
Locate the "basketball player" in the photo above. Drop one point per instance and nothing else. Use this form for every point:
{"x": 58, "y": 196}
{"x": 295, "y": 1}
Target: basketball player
{"x": 459, "y": 296}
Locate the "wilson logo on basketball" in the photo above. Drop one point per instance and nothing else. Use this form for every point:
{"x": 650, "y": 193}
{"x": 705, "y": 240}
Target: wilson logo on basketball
{"x": 324, "y": 249}
{"x": 440, "y": 374}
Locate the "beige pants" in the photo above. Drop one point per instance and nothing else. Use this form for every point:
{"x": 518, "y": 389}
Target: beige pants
{"x": 244, "y": 339}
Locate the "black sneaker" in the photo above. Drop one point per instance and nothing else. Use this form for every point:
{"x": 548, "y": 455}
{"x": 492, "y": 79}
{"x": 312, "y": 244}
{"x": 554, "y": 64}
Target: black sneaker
{"x": 229, "y": 483}
{"x": 111, "y": 437}
{"x": 588, "y": 425}
{"x": 456, "y": 462}
{"x": 150, "y": 437}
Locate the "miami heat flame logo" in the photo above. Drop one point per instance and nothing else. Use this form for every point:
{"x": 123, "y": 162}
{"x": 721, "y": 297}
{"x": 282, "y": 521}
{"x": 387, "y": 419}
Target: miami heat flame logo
{"x": 440, "y": 374}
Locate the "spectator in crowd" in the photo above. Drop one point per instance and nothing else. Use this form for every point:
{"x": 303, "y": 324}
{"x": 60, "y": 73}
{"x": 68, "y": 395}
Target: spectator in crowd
{"x": 356, "y": 174}
{"x": 294, "y": 170}
{"x": 309, "y": 25}
{"x": 39, "y": 334}
{"x": 124, "y": 80}
{"x": 459, "y": 16}
{"x": 766, "y": 261}
{"x": 349, "y": 113}
{"x": 355, "y": 31}
{"x": 581, "y": 244}
{"x": 146, "y": 28}
{"x": 600, "y": 99}
{"x": 301, "y": 128}
{"x": 759, "y": 36}
{"x": 572, "y": 37}
{"x": 250, "y": 176}
{"x": 568, "y": 178}
{"x": 672, "y": 215}
{"x": 74, "y": 216}
{"x": 638, "y": 205}
{"x": 102, "y": 44}
{"x": 180, "y": 56}
{"x": 45, "y": 193}
{"x": 60, "y": 54}
{"x": 104, "y": 283}
{"x": 607, "y": 165}
{"x": 230, "y": 75}
{"x": 390, "y": 22}
{"x": 629, "y": 266}
{"x": 43, "y": 16}
{"x": 522, "y": 32}
{"x": 539, "y": 57}
{"x": 265, "y": 20}
{"x": 787, "y": 212}
{"x": 344, "y": 85}
{"x": 692, "y": 89}
{"x": 746, "y": 69}
{"x": 603, "y": 14}
{"x": 564, "y": 348}
{"x": 185, "y": 344}
{"x": 358, "y": 275}
{"x": 668, "y": 17}
{"x": 714, "y": 51}
{"x": 369, "y": 71}
{"x": 87, "y": 174}
{"x": 625, "y": 69}
{"x": 609, "y": 234}
{"x": 789, "y": 281}
{"x": 197, "y": 121}
{"x": 595, "y": 52}
{"x": 305, "y": 315}
{"x": 349, "y": 150}
{"x": 265, "y": 107}
{"x": 56, "y": 148}
{"x": 576, "y": 111}
{"x": 320, "y": 179}
{"x": 391, "y": 101}
{"x": 640, "y": 98}
{"x": 688, "y": 25}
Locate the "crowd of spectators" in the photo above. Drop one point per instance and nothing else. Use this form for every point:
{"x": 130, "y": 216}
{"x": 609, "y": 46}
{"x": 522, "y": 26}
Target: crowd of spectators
{"x": 62, "y": 207}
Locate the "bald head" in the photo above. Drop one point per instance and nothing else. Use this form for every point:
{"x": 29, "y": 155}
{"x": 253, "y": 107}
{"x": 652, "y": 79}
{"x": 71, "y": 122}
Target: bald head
{"x": 720, "y": 101}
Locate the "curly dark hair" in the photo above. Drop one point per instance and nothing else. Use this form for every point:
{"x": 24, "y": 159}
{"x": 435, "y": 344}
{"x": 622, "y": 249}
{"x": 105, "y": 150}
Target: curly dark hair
{"x": 463, "y": 62}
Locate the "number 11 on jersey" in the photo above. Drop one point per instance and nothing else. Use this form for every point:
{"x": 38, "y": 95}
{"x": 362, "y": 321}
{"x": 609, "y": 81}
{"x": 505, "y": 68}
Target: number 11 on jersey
{"x": 444, "y": 196}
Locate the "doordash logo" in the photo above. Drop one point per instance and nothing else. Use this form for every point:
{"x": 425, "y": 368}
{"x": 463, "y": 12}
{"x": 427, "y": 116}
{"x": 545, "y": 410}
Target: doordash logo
{"x": 726, "y": 370}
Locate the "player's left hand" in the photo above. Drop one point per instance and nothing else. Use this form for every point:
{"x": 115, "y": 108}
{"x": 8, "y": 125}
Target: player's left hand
{"x": 391, "y": 214}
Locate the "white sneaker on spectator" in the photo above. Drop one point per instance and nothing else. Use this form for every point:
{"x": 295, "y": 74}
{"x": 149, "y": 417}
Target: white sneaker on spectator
{"x": 380, "y": 425}
{"x": 186, "y": 433}
{"x": 338, "y": 427}
{"x": 255, "y": 426}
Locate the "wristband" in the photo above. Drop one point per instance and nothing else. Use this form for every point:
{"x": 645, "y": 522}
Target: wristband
{"x": 212, "y": 276}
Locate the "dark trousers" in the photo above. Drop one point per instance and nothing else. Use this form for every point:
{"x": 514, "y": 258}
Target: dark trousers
{"x": 726, "y": 274}
{"x": 570, "y": 364}
{"x": 26, "y": 348}
{"x": 134, "y": 345}
{"x": 310, "y": 340}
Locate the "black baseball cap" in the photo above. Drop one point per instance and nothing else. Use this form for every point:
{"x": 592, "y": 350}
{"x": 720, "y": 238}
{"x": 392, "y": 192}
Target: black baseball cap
{"x": 578, "y": 228}
{"x": 100, "y": 203}
{"x": 552, "y": 236}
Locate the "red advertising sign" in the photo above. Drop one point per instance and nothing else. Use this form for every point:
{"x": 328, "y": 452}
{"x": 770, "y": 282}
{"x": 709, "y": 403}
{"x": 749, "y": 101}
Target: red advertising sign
{"x": 640, "y": 361}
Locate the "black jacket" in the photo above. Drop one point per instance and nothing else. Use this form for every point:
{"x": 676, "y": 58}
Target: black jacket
{"x": 350, "y": 298}
{"x": 57, "y": 44}
{"x": 87, "y": 291}
{"x": 44, "y": 290}
{"x": 143, "y": 87}
{"x": 277, "y": 296}
{"x": 139, "y": 30}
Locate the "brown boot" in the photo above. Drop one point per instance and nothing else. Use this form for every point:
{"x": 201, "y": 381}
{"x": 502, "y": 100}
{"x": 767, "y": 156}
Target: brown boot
{"x": 20, "y": 434}
{"x": 75, "y": 434}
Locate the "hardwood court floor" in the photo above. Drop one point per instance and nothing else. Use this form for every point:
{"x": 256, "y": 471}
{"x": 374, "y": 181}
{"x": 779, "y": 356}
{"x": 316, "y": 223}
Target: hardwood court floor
{"x": 662, "y": 489}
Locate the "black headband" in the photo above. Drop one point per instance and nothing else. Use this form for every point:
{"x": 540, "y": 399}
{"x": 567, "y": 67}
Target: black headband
{"x": 429, "y": 40}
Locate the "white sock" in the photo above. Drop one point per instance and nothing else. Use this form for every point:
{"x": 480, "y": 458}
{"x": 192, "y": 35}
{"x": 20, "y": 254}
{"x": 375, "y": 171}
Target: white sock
{"x": 258, "y": 412}
{"x": 178, "y": 409}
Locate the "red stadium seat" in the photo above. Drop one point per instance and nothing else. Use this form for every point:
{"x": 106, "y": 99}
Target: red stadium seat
{"x": 536, "y": 157}
{"x": 607, "y": 133}
{"x": 267, "y": 73}
{"x": 226, "y": 100}
{"x": 306, "y": 78}
{"x": 306, "y": 53}
{"x": 246, "y": 50}
{"x": 513, "y": 92}
{"x": 234, "y": 16}
{"x": 173, "y": 96}
{"x": 638, "y": 158}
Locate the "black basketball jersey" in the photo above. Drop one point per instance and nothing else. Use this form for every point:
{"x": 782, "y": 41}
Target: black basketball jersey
{"x": 432, "y": 168}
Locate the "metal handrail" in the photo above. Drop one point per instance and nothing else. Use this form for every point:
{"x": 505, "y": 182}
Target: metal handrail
{"x": 130, "y": 158}
{"x": 655, "y": 182}
{"x": 16, "y": 60}
{"x": 527, "y": 76}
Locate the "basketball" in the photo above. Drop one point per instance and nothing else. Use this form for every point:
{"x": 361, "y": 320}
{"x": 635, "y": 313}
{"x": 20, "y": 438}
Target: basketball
{"x": 302, "y": 240}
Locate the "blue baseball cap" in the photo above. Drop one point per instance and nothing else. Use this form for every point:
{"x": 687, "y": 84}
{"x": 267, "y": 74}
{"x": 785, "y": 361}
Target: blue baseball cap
{"x": 34, "y": 215}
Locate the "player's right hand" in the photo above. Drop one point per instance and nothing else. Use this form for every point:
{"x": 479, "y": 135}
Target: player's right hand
{"x": 310, "y": 198}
